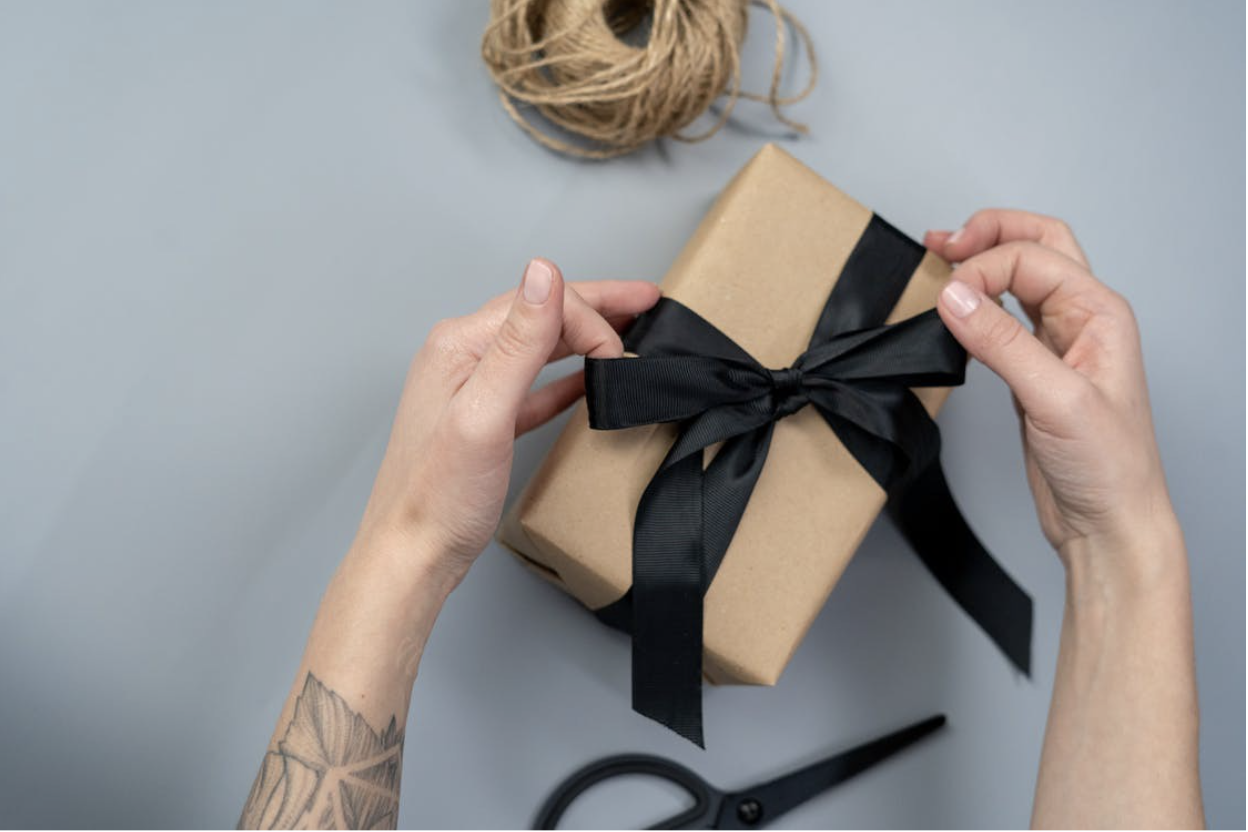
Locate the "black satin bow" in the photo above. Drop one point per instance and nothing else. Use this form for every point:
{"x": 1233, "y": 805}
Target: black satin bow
{"x": 859, "y": 379}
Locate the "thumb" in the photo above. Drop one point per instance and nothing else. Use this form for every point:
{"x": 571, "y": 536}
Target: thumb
{"x": 1043, "y": 384}
{"x": 522, "y": 345}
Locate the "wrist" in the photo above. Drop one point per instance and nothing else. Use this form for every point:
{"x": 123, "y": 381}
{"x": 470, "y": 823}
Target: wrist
{"x": 1140, "y": 558}
{"x": 375, "y": 617}
{"x": 405, "y": 558}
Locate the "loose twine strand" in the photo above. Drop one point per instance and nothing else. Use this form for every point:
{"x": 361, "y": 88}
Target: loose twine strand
{"x": 566, "y": 59}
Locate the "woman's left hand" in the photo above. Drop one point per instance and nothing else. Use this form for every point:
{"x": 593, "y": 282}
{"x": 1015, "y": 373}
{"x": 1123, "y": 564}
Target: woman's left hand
{"x": 442, "y": 483}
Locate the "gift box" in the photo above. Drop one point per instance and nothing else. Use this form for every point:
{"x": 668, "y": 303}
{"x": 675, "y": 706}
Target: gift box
{"x": 762, "y": 272}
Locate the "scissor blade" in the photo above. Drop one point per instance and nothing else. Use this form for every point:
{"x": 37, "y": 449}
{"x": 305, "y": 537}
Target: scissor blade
{"x": 772, "y": 799}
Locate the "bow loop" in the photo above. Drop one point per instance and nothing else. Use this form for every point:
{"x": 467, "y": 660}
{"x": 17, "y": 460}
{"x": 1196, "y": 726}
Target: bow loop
{"x": 627, "y": 392}
{"x": 916, "y": 352}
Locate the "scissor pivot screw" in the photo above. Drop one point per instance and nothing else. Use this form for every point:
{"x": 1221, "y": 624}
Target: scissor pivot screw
{"x": 749, "y": 811}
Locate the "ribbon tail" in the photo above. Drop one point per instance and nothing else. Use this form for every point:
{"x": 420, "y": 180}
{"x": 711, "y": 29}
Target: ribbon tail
{"x": 667, "y": 667}
{"x": 668, "y": 583}
{"x": 684, "y": 523}
{"x": 924, "y": 510}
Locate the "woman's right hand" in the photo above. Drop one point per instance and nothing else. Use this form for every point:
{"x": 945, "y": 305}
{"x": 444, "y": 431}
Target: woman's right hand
{"x": 1078, "y": 382}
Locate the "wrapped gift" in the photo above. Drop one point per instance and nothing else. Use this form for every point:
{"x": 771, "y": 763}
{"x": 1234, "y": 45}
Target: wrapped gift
{"x": 696, "y": 500}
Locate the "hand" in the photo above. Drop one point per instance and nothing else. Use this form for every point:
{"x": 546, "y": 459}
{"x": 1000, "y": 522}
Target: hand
{"x": 467, "y": 397}
{"x": 1077, "y": 379}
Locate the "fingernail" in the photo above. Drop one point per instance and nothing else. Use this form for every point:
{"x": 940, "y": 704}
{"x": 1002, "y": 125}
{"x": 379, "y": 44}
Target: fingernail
{"x": 536, "y": 284}
{"x": 955, "y": 236}
{"x": 960, "y": 299}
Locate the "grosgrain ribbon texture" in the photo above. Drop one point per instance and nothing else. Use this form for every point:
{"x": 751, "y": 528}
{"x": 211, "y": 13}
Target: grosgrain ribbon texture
{"x": 857, "y": 372}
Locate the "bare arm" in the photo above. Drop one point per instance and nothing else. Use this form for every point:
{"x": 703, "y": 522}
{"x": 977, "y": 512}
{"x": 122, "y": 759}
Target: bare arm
{"x": 1121, "y": 745}
{"x": 1121, "y": 749}
{"x": 335, "y": 757}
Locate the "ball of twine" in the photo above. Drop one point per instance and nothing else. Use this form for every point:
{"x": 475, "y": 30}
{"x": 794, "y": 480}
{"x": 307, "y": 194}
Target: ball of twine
{"x": 578, "y": 64}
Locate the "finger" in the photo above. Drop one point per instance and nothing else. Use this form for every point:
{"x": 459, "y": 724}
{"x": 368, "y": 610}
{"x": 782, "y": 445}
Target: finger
{"x": 609, "y": 298}
{"x": 935, "y": 240}
{"x": 524, "y": 340}
{"x": 548, "y": 401}
{"x": 456, "y": 345}
{"x": 619, "y": 323}
{"x": 612, "y": 298}
{"x": 585, "y": 331}
{"x": 1059, "y": 294}
{"x": 994, "y": 226}
{"x": 1045, "y": 387}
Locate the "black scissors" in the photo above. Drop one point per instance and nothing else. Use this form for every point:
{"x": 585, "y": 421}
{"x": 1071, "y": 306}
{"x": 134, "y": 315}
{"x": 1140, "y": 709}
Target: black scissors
{"x": 748, "y": 808}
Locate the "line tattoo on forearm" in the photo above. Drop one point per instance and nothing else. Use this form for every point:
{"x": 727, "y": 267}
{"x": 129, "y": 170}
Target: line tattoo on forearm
{"x": 331, "y": 770}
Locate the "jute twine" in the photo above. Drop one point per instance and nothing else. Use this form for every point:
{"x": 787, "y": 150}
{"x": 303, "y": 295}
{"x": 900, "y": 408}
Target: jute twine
{"x": 576, "y": 64}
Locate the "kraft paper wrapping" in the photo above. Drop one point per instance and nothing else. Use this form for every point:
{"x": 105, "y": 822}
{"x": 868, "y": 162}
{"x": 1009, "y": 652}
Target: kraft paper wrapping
{"x": 760, "y": 268}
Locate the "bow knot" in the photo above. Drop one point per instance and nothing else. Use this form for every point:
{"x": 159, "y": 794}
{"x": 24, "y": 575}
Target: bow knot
{"x": 788, "y": 392}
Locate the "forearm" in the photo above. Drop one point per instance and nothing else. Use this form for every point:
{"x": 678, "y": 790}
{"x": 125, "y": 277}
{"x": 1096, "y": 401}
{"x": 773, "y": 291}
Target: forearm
{"x": 1121, "y": 749}
{"x": 335, "y": 757}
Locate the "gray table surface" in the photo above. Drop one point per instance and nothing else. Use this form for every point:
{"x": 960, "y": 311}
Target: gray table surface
{"x": 224, "y": 229}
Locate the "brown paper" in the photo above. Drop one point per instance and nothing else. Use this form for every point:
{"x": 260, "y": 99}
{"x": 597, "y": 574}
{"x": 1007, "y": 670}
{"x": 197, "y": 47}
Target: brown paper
{"x": 759, "y": 267}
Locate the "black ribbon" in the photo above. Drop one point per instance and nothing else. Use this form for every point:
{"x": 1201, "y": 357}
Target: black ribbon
{"x": 857, "y": 372}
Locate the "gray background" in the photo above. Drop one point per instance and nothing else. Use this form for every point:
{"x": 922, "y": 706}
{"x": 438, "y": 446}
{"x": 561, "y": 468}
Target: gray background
{"x": 224, "y": 229}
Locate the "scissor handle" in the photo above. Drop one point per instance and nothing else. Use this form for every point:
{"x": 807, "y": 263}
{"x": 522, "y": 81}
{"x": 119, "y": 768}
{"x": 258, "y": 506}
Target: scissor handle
{"x": 703, "y": 809}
